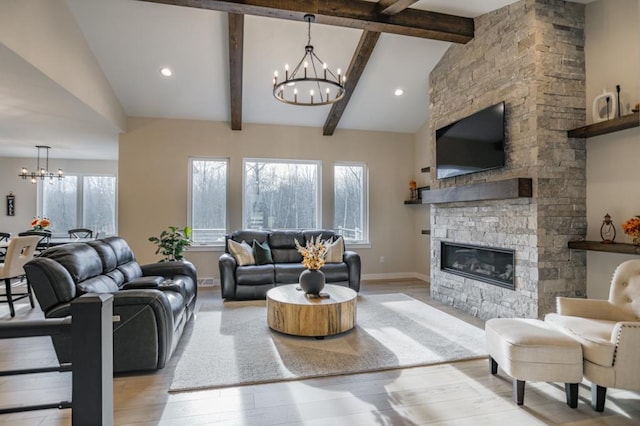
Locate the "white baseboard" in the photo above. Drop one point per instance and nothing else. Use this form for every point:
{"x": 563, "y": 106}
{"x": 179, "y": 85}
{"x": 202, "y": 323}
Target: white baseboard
{"x": 209, "y": 282}
{"x": 395, "y": 276}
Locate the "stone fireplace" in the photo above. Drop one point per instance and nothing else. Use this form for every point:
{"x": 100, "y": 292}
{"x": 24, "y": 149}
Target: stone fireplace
{"x": 531, "y": 55}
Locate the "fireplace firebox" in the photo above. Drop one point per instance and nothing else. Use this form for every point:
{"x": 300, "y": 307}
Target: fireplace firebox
{"x": 488, "y": 264}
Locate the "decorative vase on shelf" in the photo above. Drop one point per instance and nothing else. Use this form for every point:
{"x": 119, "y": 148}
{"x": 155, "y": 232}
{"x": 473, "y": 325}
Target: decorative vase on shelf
{"x": 312, "y": 281}
{"x": 604, "y": 106}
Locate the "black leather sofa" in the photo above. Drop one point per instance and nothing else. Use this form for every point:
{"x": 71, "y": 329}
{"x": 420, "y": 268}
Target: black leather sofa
{"x": 253, "y": 281}
{"x": 152, "y": 303}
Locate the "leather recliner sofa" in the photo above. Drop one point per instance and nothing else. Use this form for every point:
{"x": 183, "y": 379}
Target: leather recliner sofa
{"x": 253, "y": 281}
{"x": 152, "y": 303}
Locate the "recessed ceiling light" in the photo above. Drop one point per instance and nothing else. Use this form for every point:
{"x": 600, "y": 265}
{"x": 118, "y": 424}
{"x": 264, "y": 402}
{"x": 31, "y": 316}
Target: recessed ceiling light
{"x": 166, "y": 71}
{"x": 398, "y": 92}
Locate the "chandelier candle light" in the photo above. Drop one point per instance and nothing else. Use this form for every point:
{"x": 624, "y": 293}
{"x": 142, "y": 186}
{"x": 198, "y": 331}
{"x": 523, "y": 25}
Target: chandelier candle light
{"x": 41, "y": 172}
{"x": 307, "y": 78}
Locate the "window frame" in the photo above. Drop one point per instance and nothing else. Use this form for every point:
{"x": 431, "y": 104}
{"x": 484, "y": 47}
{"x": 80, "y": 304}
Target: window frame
{"x": 79, "y": 198}
{"x": 364, "y": 242}
{"x": 191, "y": 159}
{"x": 317, "y": 163}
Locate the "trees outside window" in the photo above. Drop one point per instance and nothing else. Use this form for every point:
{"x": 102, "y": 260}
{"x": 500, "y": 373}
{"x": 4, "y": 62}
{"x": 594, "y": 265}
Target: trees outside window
{"x": 80, "y": 201}
{"x": 99, "y": 204}
{"x": 208, "y": 200}
{"x": 350, "y": 217}
{"x": 281, "y": 194}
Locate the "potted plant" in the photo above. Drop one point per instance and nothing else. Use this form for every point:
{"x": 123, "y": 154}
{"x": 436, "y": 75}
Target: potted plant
{"x": 171, "y": 243}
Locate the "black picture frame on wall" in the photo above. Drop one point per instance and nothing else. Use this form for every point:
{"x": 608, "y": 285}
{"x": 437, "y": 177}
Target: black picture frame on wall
{"x": 11, "y": 205}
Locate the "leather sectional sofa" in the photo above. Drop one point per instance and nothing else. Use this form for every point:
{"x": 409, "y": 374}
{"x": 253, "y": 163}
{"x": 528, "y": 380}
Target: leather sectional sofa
{"x": 252, "y": 281}
{"x": 152, "y": 303}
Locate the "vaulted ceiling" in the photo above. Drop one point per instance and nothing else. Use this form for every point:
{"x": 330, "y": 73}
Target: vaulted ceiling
{"x": 223, "y": 54}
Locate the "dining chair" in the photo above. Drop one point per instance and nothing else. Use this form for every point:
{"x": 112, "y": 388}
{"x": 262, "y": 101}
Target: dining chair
{"x": 4, "y": 241}
{"x": 43, "y": 243}
{"x": 19, "y": 251}
{"x": 80, "y": 233}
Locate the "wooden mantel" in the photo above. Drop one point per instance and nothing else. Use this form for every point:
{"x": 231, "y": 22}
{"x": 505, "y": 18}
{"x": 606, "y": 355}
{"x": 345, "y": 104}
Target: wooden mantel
{"x": 497, "y": 190}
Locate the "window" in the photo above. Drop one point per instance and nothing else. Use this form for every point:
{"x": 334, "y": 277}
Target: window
{"x": 350, "y": 217}
{"x": 208, "y": 200}
{"x": 281, "y": 194}
{"x": 81, "y": 201}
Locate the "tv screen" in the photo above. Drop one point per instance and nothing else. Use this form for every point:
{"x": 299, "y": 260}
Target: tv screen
{"x": 472, "y": 144}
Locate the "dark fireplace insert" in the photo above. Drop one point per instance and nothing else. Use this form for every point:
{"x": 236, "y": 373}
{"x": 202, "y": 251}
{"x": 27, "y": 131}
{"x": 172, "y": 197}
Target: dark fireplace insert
{"x": 488, "y": 264}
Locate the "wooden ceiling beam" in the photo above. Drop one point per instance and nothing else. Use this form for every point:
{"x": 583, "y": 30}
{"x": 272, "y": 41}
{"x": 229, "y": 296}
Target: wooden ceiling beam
{"x": 359, "y": 14}
{"x": 393, "y": 7}
{"x": 363, "y": 52}
{"x": 236, "y": 48}
{"x": 358, "y": 63}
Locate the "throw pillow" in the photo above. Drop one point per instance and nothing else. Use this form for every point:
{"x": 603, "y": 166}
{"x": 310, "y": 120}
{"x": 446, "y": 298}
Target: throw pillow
{"x": 262, "y": 253}
{"x": 242, "y": 252}
{"x": 335, "y": 250}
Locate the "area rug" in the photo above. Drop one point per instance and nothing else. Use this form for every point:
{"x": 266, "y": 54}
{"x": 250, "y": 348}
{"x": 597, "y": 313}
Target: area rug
{"x": 234, "y": 346}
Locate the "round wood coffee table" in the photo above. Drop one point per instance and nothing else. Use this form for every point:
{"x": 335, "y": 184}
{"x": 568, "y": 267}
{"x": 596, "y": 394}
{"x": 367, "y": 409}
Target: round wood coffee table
{"x": 290, "y": 311}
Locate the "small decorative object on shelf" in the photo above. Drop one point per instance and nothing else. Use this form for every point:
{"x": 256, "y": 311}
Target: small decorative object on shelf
{"x": 632, "y": 228}
{"x": 414, "y": 189}
{"x": 603, "y": 107}
{"x": 607, "y": 230}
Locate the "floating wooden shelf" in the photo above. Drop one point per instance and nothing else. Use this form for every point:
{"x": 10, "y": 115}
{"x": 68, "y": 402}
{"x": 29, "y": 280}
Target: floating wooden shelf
{"x": 419, "y": 192}
{"x": 425, "y": 169}
{"x": 497, "y": 190}
{"x": 426, "y": 232}
{"x": 622, "y": 248}
{"x": 604, "y": 127}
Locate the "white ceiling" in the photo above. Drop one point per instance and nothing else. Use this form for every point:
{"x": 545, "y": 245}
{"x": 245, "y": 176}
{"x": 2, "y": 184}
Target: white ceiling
{"x": 132, "y": 40}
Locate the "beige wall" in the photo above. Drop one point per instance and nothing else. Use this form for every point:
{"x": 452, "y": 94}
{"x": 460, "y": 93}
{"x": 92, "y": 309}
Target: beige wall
{"x": 153, "y": 160}
{"x": 26, "y": 192}
{"x": 613, "y": 183}
{"x": 612, "y": 53}
{"x": 421, "y": 213}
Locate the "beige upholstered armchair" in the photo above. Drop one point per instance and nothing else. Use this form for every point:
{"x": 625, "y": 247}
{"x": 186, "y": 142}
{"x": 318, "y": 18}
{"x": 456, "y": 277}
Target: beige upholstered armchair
{"x": 609, "y": 331}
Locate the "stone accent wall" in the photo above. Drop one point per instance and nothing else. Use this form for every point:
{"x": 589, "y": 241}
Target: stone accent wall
{"x": 531, "y": 55}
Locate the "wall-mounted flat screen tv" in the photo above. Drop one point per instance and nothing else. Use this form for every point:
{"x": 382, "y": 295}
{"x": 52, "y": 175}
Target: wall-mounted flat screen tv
{"x": 472, "y": 144}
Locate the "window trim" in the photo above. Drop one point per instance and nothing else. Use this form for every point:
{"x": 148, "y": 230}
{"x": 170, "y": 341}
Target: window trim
{"x": 317, "y": 163}
{"x": 79, "y": 194}
{"x": 190, "y": 160}
{"x": 365, "y": 242}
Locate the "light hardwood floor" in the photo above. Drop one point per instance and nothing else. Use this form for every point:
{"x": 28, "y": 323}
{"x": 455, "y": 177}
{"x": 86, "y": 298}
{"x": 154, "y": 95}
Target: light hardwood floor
{"x": 461, "y": 393}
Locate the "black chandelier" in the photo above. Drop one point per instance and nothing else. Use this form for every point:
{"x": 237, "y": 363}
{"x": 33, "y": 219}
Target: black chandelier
{"x": 307, "y": 85}
{"x": 41, "y": 172}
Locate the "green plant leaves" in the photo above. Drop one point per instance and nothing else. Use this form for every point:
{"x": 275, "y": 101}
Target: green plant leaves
{"x": 172, "y": 243}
